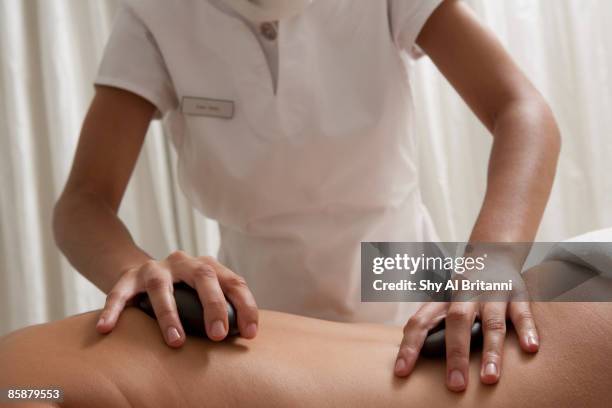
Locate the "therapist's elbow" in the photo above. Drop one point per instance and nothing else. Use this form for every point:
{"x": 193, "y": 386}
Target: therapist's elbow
{"x": 70, "y": 206}
{"x": 531, "y": 122}
{"x": 550, "y": 133}
{"x": 62, "y": 214}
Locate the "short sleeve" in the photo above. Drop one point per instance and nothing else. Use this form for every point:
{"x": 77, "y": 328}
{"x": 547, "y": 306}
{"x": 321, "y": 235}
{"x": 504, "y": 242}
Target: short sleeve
{"x": 132, "y": 61}
{"x": 407, "y": 18}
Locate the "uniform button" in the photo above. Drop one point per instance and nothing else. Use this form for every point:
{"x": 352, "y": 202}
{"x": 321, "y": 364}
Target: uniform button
{"x": 268, "y": 30}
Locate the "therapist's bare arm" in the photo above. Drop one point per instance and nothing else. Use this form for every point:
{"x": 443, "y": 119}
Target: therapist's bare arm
{"x": 526, "y": 140}
{"x": 85, "y": 221}
{"x": 522, "y": 166}
{"x": 96, "y": 242}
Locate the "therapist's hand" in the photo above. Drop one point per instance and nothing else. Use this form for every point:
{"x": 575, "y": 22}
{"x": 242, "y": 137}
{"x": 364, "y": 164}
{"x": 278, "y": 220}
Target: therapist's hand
{"x": 459, "y": 319}
{"x": 205, "y": 274}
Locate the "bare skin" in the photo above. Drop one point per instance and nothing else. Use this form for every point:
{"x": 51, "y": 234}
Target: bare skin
{"x": 97, "y": 243}
{"x": 526, "y": 142}
{"x": 298, "y": 361}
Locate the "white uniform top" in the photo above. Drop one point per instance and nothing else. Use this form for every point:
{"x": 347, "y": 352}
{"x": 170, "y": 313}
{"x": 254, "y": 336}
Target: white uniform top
{"x": 296, "y": 174}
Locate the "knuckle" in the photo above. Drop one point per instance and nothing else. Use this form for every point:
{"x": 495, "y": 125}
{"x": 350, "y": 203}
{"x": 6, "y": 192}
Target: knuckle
{"x": 115, "y": 296}
{"x": 250, "y": 312}
{"x": 415, "y": 322}
{"x": 156, "y": 282}
{"x": 524, "y": 316}
{"x": 177, "y": 255}
{"x": 130, "y": 273}
{"x": 247, "y": 309}
{"x": 148, "y": 267}
{"x": 207, "y": 259}
{"x": 408, "y": 350}
{"x": 236, "y": 282}
{"x": 456, "y": 353}
{"x": 457, "y": 314}
{"x": 166, "y": 314}
{"x": 150, "y": 264}
{"x": 204, "y": 272}
{"x": 491, "y": 355}
{"x": 215, "y": 305}
{"x": 495, "y": 324}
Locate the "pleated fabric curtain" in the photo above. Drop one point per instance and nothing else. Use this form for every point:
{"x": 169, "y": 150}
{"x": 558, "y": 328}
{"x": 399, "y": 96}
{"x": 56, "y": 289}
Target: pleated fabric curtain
{"x": 563, "y": 47}
{"x": 49, "y": 52}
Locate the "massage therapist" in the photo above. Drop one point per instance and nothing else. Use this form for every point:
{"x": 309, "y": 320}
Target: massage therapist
{"x": 293, "y": 125}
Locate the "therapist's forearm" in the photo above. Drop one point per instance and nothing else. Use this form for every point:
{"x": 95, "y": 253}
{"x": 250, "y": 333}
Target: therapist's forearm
{"x": 93, "y": 238}
{"x": 522, "y": 168}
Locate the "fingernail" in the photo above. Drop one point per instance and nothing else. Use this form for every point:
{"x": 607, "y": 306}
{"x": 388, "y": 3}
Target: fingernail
{"x": 173, "y": 334}
{"x": 400, "y": 365}
{"x": 491, "y": 369}
{"x": 251, "y": 330}
{"x": 456, "y": 379}
{"x": 100, "y": 322}
{"x": 217, "y": 329}
{"x": 532, "y": 340}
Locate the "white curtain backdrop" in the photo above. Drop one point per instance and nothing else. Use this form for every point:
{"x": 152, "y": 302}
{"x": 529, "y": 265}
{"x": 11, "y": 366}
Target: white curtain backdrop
{"x": 49, "y": 51}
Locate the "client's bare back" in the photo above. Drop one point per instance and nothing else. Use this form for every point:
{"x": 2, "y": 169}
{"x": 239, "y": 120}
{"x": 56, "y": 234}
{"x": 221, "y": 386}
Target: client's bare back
{"x": 297, "y": 361}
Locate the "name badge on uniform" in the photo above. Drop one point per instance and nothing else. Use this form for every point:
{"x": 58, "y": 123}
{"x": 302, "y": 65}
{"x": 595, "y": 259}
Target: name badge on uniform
{"x": 216, "y": 108}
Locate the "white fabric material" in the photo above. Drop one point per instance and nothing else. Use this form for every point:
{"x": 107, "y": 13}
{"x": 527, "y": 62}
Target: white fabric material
{"x": 406, "y": 18}
{"x": 149, "y": 77}
{"x": 602, "y": 235}
{"x": 593, "y": 250}
{"x": 268, "y": 10}
{"x": 49, "y": 54}
{"x": 287, "y": 172}
{"x": 268, "y": 46}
